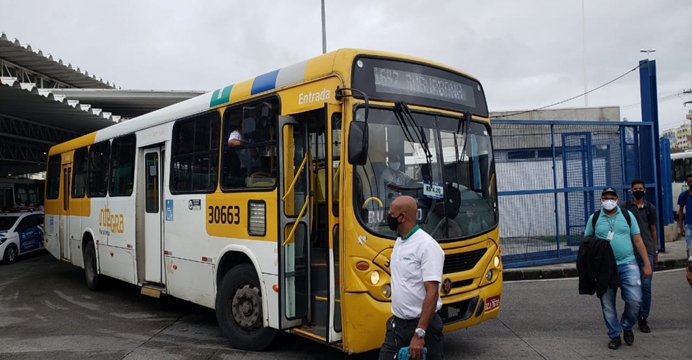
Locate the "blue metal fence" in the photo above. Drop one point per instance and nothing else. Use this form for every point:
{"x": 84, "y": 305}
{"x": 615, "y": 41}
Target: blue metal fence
{"x": 550, "y": 175}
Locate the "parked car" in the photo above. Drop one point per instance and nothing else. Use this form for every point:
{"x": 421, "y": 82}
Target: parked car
{"x": 20, "y": 233}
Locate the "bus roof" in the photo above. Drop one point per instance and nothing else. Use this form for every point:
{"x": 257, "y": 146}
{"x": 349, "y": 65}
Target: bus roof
{"x": 335, "y": 62}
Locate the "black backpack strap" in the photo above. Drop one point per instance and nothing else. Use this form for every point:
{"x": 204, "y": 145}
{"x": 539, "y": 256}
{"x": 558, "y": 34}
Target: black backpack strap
{"x": 626, "y": 214}
{"x": 594, "y": 218}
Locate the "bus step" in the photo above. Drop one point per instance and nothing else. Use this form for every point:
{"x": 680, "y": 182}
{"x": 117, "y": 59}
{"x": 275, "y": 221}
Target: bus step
{"x": 314, "y": 332}
{"x": 152, "y": 290}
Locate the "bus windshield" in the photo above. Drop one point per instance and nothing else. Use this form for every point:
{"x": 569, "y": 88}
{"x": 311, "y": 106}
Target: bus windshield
{"x": 443, "y": 162}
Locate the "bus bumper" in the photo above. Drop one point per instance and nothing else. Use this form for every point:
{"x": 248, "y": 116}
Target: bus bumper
{"x": 364, "y": 328}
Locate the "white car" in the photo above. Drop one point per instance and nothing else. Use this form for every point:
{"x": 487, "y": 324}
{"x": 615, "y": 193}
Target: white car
{"x": 20, "y": 233}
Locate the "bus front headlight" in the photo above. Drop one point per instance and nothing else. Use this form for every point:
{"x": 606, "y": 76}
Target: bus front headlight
{"x": 387, "y": 291}
{"x": 375, "y": 277}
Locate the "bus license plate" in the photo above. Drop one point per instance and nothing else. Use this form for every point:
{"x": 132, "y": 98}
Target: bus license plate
{"x": 492, "y": 303}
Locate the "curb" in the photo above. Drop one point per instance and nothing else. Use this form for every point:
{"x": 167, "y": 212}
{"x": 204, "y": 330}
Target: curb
{"x": 557, "y": 273}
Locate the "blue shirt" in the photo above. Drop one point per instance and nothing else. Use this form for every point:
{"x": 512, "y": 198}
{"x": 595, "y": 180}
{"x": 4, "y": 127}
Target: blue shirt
{"x": 622, "y": 233}
{"x": 684, "y": 200}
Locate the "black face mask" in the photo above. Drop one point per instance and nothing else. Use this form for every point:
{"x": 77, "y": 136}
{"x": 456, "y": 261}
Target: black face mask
{"x": 638, "y": 194}
{"x": 393, "y": 222}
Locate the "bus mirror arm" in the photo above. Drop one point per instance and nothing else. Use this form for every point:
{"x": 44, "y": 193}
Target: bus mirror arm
{"x": 339, "y": 94}
{"x": 357, "y": 131}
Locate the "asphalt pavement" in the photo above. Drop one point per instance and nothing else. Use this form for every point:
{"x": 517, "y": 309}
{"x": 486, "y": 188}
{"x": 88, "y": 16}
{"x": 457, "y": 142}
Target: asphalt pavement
{"x": 46, "y": 312}
{"x": 673, "y": 258}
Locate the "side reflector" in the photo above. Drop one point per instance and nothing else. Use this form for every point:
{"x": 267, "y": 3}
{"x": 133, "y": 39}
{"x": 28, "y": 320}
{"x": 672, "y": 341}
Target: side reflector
{"x": 362, "y": 265}
{"x": 275, "y": 287}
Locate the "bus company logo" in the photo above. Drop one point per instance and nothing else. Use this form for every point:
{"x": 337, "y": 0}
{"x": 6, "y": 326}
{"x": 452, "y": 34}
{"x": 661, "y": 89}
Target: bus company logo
{"x": 310, "y": 97}
{"x": 114, "y": 223}
{"x": 447, "y": 286}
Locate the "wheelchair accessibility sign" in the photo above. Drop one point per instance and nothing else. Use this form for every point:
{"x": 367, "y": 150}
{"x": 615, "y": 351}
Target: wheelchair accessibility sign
{"x": 169, "y": 210}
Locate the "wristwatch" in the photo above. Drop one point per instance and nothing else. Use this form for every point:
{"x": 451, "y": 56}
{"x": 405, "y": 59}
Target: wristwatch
{"x": 420, "y": 332}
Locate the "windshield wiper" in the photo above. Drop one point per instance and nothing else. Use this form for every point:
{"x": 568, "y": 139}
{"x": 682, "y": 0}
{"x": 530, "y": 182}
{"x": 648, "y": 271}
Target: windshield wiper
{"x": 466, "y": 129}
{"x": 418, "y": 130}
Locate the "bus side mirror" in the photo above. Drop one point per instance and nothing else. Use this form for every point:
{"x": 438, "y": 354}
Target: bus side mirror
{"x": 358, "y": 143}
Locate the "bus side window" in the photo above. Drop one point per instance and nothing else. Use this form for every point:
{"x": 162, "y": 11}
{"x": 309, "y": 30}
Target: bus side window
{"x": 195, "y": 154}
{"x": 250, "y": 155}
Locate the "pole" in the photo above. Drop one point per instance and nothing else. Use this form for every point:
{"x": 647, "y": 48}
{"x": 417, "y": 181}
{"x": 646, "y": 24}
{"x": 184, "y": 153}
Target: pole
{"x": 324, "y": 31}
{"x": 583, "y": 38}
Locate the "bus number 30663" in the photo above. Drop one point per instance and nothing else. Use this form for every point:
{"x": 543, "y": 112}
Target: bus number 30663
{"x": 224, "y": 214}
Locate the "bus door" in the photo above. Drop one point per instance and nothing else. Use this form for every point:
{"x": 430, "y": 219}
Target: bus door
{"x": 152, "y": 240}
{"x": 64, "y": 220}
{"x": 294, "y": 223}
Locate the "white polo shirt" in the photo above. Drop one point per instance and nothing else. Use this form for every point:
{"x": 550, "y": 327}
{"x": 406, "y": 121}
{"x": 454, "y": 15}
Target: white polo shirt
{"x": 416, "y": 258}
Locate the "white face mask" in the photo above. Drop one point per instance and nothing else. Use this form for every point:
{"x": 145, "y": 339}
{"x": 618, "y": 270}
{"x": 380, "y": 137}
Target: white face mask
{"x": 609, "y": 204}
{"x": 394, "y": 166}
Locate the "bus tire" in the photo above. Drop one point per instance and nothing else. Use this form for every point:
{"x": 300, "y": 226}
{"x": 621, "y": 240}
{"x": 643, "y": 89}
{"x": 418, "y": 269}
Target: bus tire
{"x": 239, "y": 310}
{"x": 91, "y": 274}
{"x": 10, "y": 255}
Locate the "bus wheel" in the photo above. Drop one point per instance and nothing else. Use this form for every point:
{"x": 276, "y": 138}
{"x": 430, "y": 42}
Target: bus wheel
{"x": 10, "y": 254}
{"x": 93, "y": 279}
{"x": 239, "y": 310}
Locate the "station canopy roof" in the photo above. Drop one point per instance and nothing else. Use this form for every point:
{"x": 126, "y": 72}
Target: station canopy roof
{"x": 40, "y": 89}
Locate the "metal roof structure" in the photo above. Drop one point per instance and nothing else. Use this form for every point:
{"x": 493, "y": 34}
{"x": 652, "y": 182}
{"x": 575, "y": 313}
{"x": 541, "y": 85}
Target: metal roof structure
{"x": 24, "y": 56}
{"x": 45, "y": 101}
{"x": 126, "y": 103}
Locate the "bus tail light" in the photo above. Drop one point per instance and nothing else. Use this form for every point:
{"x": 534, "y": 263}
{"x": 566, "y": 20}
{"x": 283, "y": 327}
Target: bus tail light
{"x": 257, "y": 222}
{"x": 362, "y": 265}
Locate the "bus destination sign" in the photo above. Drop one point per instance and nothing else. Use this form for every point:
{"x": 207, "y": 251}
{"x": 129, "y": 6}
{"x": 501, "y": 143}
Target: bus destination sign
{"x": 415, "y": 84}
{"x": 395, "y": 80}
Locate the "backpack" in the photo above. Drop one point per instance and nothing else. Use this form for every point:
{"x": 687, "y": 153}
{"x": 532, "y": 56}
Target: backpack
{"x": 625, "y": 213}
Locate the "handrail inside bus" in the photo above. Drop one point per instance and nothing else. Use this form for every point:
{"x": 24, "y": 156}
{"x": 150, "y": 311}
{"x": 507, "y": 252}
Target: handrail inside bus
{"x": 295, "y": 225}
{"x": 295, "y": 178}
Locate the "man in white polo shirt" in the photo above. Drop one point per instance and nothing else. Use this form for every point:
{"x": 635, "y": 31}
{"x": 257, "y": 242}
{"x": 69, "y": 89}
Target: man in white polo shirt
{"x": 416, "y": 264}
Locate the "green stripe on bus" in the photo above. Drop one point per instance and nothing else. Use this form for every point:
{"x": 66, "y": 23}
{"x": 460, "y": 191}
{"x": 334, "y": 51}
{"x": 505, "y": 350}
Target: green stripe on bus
{"x": 221, "y": 96}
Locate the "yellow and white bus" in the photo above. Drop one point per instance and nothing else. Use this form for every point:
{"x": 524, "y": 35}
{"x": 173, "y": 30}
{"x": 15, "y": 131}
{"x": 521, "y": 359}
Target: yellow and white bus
{"x": 262, "y": 199}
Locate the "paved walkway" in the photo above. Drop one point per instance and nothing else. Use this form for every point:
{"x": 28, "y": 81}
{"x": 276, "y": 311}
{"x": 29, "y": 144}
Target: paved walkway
{"x": 673, "y": 258}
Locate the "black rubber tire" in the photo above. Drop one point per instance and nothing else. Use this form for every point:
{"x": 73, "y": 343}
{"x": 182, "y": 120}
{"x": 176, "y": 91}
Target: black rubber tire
{"x": 10, "y": 255}
{"x": 91, "y": 274}
{"x": 242, "y": 279}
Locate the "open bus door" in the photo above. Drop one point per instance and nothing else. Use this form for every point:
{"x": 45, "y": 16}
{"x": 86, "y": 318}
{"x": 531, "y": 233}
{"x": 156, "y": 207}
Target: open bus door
{"x": 294, "y": 223}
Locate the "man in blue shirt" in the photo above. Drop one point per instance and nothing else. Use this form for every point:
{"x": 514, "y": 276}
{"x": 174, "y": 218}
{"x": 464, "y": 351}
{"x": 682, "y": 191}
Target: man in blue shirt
{"x": 623, "y": 237}
{"x": 685, "y": 207}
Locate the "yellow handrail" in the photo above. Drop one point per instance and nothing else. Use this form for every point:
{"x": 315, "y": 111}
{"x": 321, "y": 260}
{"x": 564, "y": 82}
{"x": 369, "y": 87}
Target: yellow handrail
{"x": 300, "y": 216}
{"x": 295, "y": 178}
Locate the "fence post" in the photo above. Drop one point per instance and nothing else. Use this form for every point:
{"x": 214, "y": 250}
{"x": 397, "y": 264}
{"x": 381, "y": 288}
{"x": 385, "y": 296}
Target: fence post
{"x": 649, "y": 137}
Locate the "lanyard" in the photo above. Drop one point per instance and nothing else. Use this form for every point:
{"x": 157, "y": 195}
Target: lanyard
{"x": 611, "y": 221}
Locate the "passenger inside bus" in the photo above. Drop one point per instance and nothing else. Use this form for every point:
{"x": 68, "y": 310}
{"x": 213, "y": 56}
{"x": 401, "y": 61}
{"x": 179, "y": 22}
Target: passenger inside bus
{"x": 241, "y": 139}
{"x": 251, "y": 145}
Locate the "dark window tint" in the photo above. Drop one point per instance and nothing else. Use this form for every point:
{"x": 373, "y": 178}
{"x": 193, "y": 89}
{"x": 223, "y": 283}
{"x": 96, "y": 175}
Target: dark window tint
{"x": 98, "y": 169}
{"x": 195, "y": 160}
{"x": 152, "y": 182}
{"x": 53, "y": 177}
{"x": 123, "y": 165}
{"x": 79, "y": 173}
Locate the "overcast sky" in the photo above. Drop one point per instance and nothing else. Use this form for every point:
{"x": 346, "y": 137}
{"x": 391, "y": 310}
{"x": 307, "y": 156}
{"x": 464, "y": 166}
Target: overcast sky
{"x": 527, "y": 53}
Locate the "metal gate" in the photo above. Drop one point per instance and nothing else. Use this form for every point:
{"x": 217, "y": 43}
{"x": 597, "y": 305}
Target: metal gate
{"x": 550, "y": 175}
